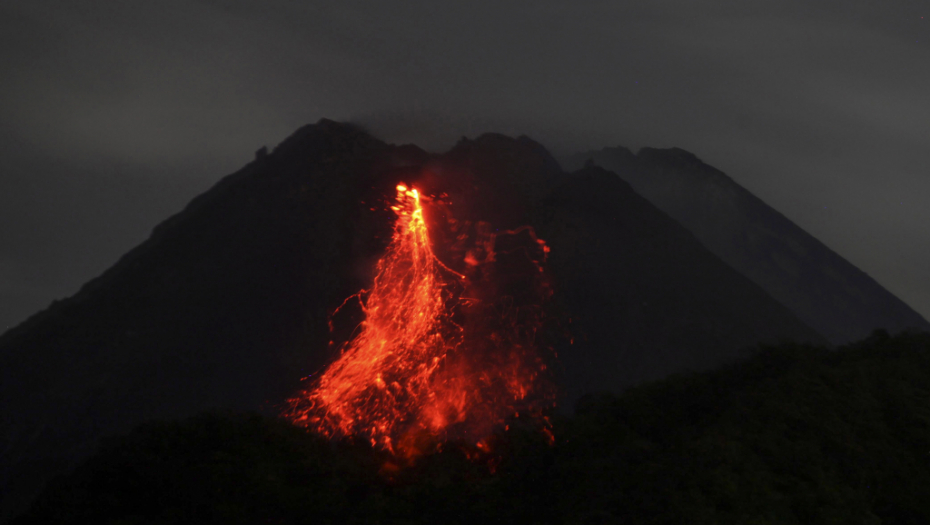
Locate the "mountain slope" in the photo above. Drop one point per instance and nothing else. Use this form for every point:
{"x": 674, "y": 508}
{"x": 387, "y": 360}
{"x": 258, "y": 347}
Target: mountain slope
{"x": 226, "y": 305}
{"x": 216, "y": 309}
{"x": 819, "y": 286}
{"x": 647, "y": 298}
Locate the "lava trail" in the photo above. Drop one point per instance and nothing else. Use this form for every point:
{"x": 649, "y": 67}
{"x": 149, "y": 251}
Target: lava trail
{"x": 411, "y": 372}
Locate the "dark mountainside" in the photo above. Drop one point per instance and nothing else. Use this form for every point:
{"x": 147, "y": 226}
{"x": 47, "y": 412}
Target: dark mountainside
{"x": 647, "y": 297}
{"x": 226, "y": 305}
{"x": 820, "y": 287}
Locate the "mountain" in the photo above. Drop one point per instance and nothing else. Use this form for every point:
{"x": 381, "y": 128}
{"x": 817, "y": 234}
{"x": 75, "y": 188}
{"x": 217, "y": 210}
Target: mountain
{"x": 227, "y": 304}
{"x": 824, "y": 290}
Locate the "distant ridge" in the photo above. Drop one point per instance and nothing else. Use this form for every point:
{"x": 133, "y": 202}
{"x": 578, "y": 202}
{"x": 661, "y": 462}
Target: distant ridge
{"x": 824, "y": 290}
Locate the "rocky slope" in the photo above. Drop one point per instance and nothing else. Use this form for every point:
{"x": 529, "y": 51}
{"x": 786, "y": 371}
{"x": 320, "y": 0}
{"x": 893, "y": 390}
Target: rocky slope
{"x": 824, "y": 290}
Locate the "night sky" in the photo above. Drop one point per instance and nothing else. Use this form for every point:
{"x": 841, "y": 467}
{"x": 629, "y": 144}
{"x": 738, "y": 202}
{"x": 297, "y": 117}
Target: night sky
{"x": 113, "y": 115}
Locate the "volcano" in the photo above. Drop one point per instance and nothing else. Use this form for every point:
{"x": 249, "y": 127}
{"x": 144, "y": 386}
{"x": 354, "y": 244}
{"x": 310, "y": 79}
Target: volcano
{"x": 235, "y": 301}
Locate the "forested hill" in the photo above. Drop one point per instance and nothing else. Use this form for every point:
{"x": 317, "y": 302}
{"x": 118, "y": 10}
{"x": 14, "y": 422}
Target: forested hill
{"x": 796, "y": 434}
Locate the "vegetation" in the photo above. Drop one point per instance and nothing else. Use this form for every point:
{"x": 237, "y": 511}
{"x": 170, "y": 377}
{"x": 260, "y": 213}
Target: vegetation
{"x": 797, "y": 434}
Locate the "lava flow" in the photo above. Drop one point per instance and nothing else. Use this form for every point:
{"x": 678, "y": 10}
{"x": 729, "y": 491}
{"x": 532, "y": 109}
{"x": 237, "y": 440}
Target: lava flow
{"x": 426, "y": 363}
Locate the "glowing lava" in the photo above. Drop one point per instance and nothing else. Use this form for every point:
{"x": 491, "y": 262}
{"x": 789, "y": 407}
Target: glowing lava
{"x": 411, "y": 372}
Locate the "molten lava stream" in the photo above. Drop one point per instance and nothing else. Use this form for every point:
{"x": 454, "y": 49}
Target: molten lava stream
{"x": 404, "y": 376}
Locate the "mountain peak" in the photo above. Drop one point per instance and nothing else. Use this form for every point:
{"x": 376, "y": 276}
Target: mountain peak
{"x": 325, "y": 134}
{"x": 515, "y": 151}
{"x": 676, "y": 156}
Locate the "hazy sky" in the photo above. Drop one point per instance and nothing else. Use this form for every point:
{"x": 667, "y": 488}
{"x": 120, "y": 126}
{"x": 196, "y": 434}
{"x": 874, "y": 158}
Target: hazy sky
{"x": 114, "y": 114}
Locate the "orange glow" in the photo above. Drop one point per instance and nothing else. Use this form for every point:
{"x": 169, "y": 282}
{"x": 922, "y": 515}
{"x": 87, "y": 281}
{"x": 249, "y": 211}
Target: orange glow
{"x": 412, "y": 374}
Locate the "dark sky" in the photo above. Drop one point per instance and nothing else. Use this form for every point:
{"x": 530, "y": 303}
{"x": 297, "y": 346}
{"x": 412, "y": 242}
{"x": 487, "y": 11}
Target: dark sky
{"x": 114, "y": 114}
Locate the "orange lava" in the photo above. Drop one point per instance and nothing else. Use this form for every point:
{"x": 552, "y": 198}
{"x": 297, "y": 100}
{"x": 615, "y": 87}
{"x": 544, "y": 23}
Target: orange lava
{"x": 411, "y": 373}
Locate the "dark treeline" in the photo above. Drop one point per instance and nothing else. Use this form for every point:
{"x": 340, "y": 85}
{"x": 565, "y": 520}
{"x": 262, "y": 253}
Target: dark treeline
{"x": 796, "y": 434}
